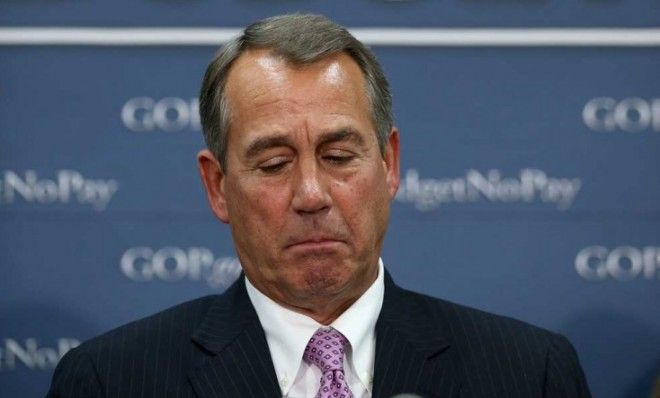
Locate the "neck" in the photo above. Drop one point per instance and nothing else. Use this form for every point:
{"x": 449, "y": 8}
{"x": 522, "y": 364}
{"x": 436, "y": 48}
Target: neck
{"x": 324, "y": 308}
{"x": 324, "y": 313}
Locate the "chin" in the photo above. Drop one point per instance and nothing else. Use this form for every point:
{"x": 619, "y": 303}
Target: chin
{"x": 326, "y": 279}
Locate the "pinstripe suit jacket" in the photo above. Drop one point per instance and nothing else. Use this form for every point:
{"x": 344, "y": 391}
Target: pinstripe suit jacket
{"x": 215, "y": 347}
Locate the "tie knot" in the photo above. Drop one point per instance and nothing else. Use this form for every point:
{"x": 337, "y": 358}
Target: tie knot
{"x": 326, "y": 350}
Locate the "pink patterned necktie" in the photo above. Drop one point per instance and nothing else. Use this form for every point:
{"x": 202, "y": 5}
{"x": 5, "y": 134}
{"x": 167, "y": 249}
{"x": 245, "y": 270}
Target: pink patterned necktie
{"x": 326, "y": 350}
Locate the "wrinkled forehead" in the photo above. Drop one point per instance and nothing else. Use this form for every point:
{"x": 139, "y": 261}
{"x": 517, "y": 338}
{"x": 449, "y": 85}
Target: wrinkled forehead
{"x": 261, "y": 81}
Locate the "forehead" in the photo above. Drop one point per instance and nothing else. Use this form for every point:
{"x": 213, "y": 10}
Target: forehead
{"x": 262, "y": 67}
{"x": 261, "y": 84}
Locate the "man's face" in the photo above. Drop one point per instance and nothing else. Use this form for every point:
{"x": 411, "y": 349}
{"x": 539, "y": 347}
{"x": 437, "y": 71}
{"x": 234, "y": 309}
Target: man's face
{"x": 306, "y": 189}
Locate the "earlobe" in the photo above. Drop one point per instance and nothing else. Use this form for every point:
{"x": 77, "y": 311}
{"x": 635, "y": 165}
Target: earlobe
{"x": 391, "y": 159}
{"x": 213, "y": 179}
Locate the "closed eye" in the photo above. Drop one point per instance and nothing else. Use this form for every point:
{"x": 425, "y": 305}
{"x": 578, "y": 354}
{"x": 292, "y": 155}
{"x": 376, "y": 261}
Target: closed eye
{"x": 339, "y": 159}
{"x": 338, "y": 156}
{"x": 273, "y": 165}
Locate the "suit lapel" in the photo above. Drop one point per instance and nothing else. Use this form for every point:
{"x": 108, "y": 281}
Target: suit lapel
{"x": 412, "y": 356}
{"x": 238, "y": 362}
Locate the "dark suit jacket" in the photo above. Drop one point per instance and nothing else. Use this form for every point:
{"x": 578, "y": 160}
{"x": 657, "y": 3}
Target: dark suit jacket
{"x": 215, "y": 347}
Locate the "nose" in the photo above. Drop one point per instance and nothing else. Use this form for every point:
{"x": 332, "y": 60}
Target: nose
{"x": 310, "y": 194}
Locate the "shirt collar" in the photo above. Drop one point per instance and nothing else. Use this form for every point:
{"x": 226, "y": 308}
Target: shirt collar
{"x": 288, "y": 332}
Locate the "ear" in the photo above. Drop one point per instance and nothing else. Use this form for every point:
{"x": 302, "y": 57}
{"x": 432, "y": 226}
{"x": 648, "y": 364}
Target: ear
{"x": 391, "y": 162}
{"x": 213, "y": 179}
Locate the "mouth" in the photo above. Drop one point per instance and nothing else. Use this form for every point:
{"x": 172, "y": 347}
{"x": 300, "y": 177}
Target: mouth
{"x": 319, "y": 243}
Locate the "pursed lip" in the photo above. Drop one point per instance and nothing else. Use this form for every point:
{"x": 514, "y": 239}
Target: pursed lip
{"x": 315, "y": 242}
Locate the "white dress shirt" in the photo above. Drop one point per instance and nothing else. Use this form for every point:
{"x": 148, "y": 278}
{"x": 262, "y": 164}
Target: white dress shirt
{"x": 287, "y": 333}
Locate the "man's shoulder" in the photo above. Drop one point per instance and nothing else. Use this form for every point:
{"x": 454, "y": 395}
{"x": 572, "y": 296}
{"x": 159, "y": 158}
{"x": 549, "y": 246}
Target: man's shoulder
{"x": 491, "y": 354}
{"x": 174, "y": 323}
{"x": 517, "y": 356}
{"x": 137, "y": 353}
{"x": 469, "y": 327}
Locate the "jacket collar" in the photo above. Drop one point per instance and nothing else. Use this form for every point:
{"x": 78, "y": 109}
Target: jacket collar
{"x": 413, "y": 352}
{"x": 239, "y": 361}
{"x": 227, "y": 317}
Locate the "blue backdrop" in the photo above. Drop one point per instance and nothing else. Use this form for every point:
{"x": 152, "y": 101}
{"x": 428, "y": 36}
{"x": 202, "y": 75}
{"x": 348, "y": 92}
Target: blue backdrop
{"x": 530, "y": 175}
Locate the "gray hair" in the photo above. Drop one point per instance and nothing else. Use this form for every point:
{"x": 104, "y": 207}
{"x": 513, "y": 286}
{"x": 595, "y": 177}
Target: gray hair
{"x": 300, "y": 39}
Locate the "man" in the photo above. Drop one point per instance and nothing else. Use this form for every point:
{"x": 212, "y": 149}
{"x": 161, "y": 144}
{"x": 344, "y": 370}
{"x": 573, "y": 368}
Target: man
{"x": 302, "y": 163}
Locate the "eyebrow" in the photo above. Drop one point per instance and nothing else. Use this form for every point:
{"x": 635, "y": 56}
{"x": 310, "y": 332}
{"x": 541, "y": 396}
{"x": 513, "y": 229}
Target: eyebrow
{"x": 344, "y": 134}
{"x": 261, "y": 144}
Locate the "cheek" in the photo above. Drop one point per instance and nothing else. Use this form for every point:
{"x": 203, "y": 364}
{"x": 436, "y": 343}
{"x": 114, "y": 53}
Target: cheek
{"x": 373, "y": 195}
{"x": 257, "y": 206}
{"x": 360, "y": 202}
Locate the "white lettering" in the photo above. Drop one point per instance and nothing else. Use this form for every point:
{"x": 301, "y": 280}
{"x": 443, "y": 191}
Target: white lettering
{"x": 67, "y": 186}
{"x": 590, "y": 261}
{"x": 530, "y": 185}
{"x": 142, "y": 114}
{"x": 651, "y": 262}
{"x": 173, "y": 264}
{"x": 176, "y": 258}
{"x": 633, "y": 114}
{"x": 135, "y": 263}
{"x": 623, "y": 263}
{"x": 29, "y": 354}
{"x": 605, "y": 114}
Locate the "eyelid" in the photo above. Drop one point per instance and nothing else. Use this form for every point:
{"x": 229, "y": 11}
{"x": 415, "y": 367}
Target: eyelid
{"x": 338, "y": 149}
{"x": 273, "y": 160}
{"x": 273, "y": 164}
{"x": 339, "y": 153}
{"x": 339, "y": 156}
